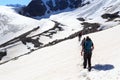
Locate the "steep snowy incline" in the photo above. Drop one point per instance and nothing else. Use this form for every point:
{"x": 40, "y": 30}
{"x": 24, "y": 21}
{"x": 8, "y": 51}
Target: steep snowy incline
{"x": 12, "y": 24}
{"x": 91, "y": 13}
{"x": 18, "y": 25}
{"x": 96, "y": 7}
{"x": 63, "y": 61}
{"x": 106, "y": 55}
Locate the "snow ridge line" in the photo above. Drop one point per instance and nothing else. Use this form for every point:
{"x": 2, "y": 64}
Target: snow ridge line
{"x": 85, "y": 31}
{"x": 47, "y": 45}
{"x": 17, "y": 39}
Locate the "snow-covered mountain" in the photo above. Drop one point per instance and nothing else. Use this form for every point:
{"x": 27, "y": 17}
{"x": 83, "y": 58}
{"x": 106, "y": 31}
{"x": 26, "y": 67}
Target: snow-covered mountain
{"x": 52, "y": 47}
{"x": 44, "y": 7}
{"x": 93, "y": 17}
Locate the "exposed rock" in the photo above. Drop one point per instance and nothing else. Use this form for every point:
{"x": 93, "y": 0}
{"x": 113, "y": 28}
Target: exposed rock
{"x": 61, "y": 4}
{"x": 40, "y": 7}
{"x": 30, "y": 40}
{"x": 75, "y": 3}
{"x": 36, "y": 8}
{"x": 110, "y": 17}
{"x": 81, "y": 19}
{"x": 90, "y": 27}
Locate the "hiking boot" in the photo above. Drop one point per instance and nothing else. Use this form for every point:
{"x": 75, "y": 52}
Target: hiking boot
{"x": 84, "y": 67}
{"x": 89, "y": 69}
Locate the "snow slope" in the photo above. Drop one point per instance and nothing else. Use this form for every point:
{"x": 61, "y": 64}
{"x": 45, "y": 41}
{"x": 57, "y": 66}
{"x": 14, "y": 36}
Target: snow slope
{"x": 91, "y": 13}
{"x": 12, "y": 24}
{"x": 63, "y": 61}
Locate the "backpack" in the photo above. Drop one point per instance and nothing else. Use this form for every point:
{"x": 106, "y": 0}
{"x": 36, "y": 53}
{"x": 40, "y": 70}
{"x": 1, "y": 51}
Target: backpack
{"x": 87, "y": 45}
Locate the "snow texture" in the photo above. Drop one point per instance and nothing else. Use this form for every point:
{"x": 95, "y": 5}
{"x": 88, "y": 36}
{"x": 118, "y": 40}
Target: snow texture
{"x": 63, "y": 60}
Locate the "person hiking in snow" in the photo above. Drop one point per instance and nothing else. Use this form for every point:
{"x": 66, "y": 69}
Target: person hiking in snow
{"x": 87, "y": 47}
{"x": 3, "y": 53}
{"x": 79, "y": 36}
{"x": 82, "y": 43}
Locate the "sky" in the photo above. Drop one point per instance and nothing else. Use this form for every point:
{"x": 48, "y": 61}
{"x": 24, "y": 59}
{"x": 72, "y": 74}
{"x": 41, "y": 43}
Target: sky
{"x": 22, "y": 2}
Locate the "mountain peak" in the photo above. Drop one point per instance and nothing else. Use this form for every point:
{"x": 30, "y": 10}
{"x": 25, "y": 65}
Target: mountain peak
{"x": 42, "y": 7}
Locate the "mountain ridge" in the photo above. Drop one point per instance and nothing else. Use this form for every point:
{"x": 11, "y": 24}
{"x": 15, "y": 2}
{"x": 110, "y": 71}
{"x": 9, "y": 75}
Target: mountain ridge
{"x": 43, "y": 7}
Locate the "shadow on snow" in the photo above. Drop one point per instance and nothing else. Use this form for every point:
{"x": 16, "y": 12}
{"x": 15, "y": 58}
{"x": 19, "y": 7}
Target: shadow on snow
{"x": 104, "y": 67}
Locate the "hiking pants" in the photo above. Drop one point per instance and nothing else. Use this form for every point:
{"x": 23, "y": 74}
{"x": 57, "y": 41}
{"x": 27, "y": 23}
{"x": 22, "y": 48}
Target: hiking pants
{"x": 87, "y": 59}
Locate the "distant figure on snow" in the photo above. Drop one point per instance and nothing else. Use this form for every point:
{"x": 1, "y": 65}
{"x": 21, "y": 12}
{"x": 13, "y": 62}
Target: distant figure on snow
{"x": 82, "y": 43}
{"x": 79, "y": 36}
{"x": 3, "y": 53}
{"x": 87, "y": 48}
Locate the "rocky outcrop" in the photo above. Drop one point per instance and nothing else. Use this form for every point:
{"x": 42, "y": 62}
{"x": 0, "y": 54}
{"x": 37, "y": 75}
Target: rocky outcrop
{"x": 90, "y": 27}
{"x": 110, "y": 17}
{"x": 36, "y": 8}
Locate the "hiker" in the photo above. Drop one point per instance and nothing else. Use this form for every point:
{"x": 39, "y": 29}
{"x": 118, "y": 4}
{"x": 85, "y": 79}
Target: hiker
{"x": 87, "y": 47}
{"x": 79, "y": 36}
{"x": 3, "y": 53}
{"x": 82, "y": 43}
